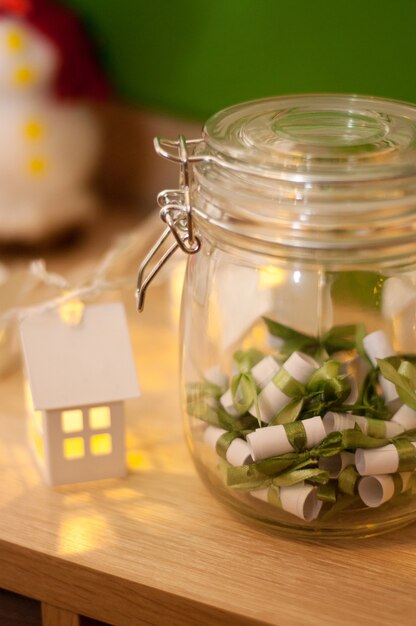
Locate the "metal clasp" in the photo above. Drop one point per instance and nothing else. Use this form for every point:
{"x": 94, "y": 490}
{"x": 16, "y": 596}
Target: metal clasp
{"x": 175, "y": 211}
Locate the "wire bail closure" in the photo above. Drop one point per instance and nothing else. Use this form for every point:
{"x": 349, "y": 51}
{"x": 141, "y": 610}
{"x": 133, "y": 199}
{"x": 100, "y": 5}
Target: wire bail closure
{"x": 175, "y": 211}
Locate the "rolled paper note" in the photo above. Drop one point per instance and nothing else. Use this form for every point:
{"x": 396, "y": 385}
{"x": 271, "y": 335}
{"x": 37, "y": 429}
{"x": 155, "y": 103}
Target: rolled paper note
{"x": 398, "y": 293}
{"x": 270, "y": 441}
{"x": 228, "y": 445}
{"x": 378, "y": 428}
{"x": 406, "y": 417}
{"x": 397, "y": 456}
{"x": 334, "y": 422}
{"x": 216, "y": 376}
{"x": 335, "y": 464}
{"x": 376, "y": 490}
{"x": 369, "y": 426}
{"x": 353, "y": 396}
{"x": 398, "y": 305}
{"x": 228, "y": 404}
{"x": 264, "y": 371}
{"x": 279, "y": 391}
{"x": 378, "y": 346}
{"x": 274, "y": 342}
{"x": 300, "y": 500}
{"x": 348, "y": 480}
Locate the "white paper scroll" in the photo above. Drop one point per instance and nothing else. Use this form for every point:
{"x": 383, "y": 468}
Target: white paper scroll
{"x": 406, "y": 417}
{"x": 264, "y": 371}
{"x": 271, "y": 399}
{"x": 216, "y": 376}
{"x": 270, "y": 441}
{"x": 335, "y": 464}
{"x": 343, "y": 421}
{"x": 262, "y": 374}
{"x": 398, "y": 305}
{"x": 383, "y": 460}
{"x": 376, "y": 490}
{"x": 378, "y": 346}
{"x": 300, "y": 500}
{"x": 238, "y": 452}
{"x": 334, "y": 422}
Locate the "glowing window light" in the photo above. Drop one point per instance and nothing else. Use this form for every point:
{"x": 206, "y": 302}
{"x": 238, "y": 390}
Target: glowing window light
{"x": 101, "y": 444}
{"x": 99, "y": 417}
{"x": 72, "y": 421}
{"x": 73, "y": 448}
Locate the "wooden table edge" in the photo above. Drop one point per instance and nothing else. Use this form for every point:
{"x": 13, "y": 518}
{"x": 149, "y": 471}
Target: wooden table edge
{"x": 84, "y": 591}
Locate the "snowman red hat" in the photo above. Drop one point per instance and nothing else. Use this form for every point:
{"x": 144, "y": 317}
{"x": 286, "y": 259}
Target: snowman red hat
{"x": 78, "y": 74}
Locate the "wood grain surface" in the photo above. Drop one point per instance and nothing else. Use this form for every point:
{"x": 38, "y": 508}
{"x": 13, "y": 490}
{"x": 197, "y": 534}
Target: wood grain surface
{"x": 157, "y": 548}
{"x": 54, "y": 616}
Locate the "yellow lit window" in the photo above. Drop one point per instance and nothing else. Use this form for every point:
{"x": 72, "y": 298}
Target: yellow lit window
{"x": 101, "y": 444}
{"x": 73, "y": 447}
{"x": 72, "y": 421}
{"x": 99, "y": 417}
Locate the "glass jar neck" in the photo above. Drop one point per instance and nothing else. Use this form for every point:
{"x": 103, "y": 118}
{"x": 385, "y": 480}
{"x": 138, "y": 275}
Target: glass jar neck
{"x": 325, "y": 222}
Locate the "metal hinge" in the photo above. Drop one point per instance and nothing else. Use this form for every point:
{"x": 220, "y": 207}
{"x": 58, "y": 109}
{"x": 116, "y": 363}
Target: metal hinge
{"x": 175, "y": 211}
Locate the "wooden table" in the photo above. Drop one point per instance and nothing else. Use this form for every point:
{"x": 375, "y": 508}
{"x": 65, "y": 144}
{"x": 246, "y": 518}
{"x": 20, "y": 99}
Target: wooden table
{"x": 157, "y": 549}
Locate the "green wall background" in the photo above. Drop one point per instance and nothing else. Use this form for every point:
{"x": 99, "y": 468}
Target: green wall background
{"x": 194, "y": 57}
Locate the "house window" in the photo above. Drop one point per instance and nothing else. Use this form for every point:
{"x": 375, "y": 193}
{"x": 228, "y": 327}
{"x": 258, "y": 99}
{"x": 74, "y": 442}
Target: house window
{"x": 72, "y": 421}
{"x": 101, "y": 444}
{"x": 73, "y": 447}
{"x": 99, "y": 417}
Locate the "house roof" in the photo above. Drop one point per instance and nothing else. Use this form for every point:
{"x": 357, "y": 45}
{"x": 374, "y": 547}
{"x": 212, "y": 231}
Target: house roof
{"x": 86, "y": 364}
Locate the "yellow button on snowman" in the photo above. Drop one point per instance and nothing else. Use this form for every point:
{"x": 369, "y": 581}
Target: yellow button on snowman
{"x": 49, "y": 137}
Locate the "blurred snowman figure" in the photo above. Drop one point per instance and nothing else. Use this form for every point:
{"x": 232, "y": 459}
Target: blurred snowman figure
{"x": 49, "y": 137}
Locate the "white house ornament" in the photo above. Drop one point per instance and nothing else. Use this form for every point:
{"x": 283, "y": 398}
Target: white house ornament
{"x": 49, "y": 136}
{"x": 78, "y": 377}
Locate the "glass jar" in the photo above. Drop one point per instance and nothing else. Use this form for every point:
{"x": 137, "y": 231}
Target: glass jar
{"x": 299, "y": 309}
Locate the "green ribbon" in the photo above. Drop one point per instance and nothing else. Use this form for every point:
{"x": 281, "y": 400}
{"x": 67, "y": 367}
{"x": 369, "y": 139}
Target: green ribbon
{"x": 296, "y": 435}
{"x": 376, "y": 428}
{"x": 224, "y": 442}
{"x": 273, "y": 496}
{"x": 247, "y": 359}
{"x": 407, "y": 455}
{"x": 398, "y": 484}
{"x": 244, "y": 392}
{"x": 287, "y": 384}
{"x": 348, "y": 480}
{"x": 327, "y": 493}
{"x": 408, "y": 370}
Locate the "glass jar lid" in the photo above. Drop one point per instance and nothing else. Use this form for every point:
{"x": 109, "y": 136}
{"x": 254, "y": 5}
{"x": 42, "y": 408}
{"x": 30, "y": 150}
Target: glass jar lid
{"x": 308, "y": 173}
{"x": 307, "y": 138}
